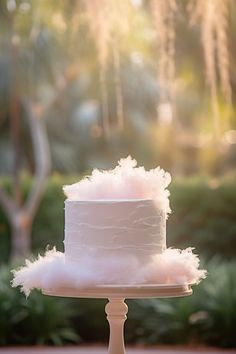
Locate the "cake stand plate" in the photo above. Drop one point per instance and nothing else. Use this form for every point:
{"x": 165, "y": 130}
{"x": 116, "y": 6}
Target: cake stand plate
{"x": 116, "y": 308}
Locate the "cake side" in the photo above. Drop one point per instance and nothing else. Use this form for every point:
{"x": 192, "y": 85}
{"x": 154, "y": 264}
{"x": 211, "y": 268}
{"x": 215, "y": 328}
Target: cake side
{"x": 137, "y": 227}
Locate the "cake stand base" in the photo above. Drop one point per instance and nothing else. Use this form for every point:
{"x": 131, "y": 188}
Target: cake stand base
{"x": 116, "y": 308}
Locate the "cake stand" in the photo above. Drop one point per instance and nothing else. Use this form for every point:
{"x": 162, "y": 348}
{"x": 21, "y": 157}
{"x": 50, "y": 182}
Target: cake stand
{"x": 116, "y": 308}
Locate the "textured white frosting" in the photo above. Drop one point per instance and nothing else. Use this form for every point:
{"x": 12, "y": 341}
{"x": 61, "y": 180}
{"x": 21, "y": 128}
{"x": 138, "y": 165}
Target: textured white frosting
{"x": 103, "y": 228}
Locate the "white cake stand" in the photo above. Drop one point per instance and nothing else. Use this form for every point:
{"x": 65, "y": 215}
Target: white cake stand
{"x": 116, "y": 309}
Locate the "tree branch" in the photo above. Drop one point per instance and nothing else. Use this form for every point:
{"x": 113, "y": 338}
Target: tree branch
{"x": 7, "y": 204}
{"x": 41, "y": 157}
{"x": 41, "y": 149}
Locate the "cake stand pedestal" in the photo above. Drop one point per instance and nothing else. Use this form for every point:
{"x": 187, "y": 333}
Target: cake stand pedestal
{"x": 116, "y": 308}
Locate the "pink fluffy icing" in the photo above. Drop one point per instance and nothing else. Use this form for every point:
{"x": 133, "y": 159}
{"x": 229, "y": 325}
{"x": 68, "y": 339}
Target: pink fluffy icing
{"x": 125, "y": 181}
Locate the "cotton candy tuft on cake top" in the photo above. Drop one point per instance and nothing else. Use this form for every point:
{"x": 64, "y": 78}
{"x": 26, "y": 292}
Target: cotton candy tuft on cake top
{"x": 125, "y": 182}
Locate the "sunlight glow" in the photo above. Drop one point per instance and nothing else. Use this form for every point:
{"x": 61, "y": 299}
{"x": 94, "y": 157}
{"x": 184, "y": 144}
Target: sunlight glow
{"x": 165, "y": 113}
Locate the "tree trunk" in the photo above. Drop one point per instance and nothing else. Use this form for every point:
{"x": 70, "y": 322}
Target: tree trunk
{"x": 20, "y": 237}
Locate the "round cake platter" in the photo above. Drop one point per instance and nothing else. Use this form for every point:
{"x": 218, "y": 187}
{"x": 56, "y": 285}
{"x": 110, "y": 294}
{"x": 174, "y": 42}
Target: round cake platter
{"x": 116, "y": 309}
{"x": 123, "y": 291}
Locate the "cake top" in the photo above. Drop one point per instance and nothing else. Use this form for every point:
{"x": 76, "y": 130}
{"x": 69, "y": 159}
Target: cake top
{"x": 125, "y": 182}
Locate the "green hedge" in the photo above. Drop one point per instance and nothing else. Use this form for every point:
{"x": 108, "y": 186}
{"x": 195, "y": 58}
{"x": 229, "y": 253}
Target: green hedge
{"x": 204, "y": 216}
{"x": 36, "y": 320}
{"x": 207, "y": 317}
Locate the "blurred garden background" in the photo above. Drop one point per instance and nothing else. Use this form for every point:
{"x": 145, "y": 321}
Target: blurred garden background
{"x": 84, "y": 83}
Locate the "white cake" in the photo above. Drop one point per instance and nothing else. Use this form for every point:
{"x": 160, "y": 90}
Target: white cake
{"x": 114, "y": 228}
{"x": 115, "y": 233}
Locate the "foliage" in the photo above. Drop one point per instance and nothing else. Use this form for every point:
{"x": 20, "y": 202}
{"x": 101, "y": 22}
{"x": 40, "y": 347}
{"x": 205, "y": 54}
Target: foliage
{"x": 36, "y": 320}
{"x": 207, "y": 317}
{"x": 204, "y": 214}
{"x": 218, "y": 302}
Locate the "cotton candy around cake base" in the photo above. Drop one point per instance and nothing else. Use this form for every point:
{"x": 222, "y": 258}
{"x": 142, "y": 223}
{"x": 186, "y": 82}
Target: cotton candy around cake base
{"x": 52, "y": 271}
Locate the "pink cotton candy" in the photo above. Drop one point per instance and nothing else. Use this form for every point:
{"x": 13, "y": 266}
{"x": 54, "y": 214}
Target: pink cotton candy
{"x": 51, "y": 271}
{"x": 125, "y": 181}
